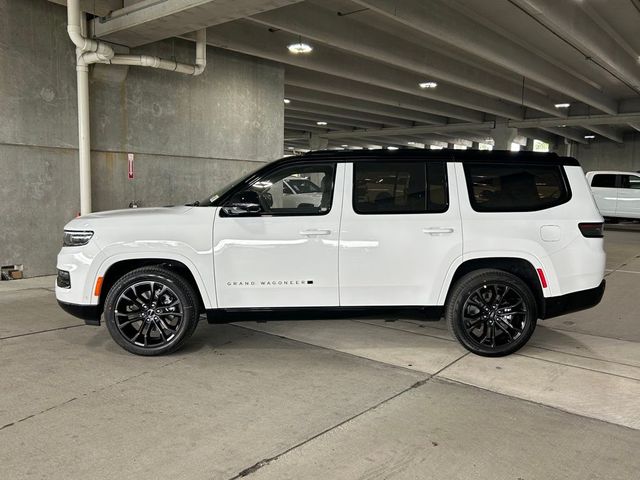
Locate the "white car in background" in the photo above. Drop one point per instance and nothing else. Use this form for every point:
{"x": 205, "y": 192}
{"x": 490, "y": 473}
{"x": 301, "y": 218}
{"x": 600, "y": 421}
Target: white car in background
{"x": 617, "y": 194}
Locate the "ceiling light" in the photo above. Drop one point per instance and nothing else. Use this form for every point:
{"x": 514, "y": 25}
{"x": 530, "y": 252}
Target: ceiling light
{"x": 391, "y": 147}
{"x": 589, "y": 137}
{"x": 287, "y": 101}
{"x": 299, "y": 47}
{"x": 562, "y": 105}
{"x": 322, "y": 124}
{"x": 428, "y": 84}
{"x": 344, "y": 146}
{"x": 411, "y": 143}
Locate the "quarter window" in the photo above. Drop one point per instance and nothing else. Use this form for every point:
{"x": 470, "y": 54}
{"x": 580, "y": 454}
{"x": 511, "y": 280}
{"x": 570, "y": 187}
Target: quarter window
{"x": 399, "y": 187}
{"x": 604, "y": 180}
{"x": 515, "y": 188}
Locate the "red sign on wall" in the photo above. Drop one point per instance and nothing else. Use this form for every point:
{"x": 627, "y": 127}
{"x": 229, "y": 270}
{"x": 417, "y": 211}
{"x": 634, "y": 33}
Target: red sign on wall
{"x": 130, "y": 158}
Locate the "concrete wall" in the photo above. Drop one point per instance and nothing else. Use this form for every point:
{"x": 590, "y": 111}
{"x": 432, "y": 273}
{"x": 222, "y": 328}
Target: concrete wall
{"x": 602, "y": 155}
{"x": 190, "y": 135}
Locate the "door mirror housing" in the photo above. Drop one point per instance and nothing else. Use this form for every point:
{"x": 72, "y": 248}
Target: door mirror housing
{"x": 245, "y": 203}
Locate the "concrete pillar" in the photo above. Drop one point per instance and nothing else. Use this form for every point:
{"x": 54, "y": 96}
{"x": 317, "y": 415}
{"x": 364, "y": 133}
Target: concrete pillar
{"x": 529, "y": 146}
{"x": 317, "y": 143}
{"x": 450, "y": 146}
{"x": 503, "y": 135}
{"x": 475, "y": 145}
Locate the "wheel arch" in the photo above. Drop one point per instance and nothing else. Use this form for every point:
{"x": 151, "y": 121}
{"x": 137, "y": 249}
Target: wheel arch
{"x": 519, "y": 267}
{"x": 121, "y": 267}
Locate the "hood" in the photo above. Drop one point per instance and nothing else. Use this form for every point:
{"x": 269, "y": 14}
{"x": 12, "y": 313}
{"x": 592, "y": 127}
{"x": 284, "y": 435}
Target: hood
{"x": 127, "y": 216}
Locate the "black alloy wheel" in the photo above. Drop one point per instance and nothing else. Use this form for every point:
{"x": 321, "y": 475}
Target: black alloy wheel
{"x": 151, "y": 311}
{"x": 491, "y": 312}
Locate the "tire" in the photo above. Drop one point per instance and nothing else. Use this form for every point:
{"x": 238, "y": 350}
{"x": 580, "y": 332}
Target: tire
{"x": 492, "y": 313}
{"x": 147, "y": 324}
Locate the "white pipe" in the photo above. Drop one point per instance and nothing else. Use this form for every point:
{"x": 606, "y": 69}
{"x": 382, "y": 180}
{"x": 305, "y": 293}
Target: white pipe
{"x": 90, "y": 51}
{"x": 84, "y": 139}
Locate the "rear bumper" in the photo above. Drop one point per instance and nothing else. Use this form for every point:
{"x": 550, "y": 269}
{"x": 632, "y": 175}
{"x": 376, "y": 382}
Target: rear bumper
{"x": 573, "y": 302}
{"x": 89, "y": 313}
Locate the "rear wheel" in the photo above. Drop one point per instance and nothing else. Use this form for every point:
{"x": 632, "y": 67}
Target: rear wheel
{"x": 151, "y": 311}
{"x": 491, "y": 312}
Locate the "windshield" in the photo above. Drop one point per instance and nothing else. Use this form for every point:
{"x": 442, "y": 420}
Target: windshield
{"x": 207, "y": 202}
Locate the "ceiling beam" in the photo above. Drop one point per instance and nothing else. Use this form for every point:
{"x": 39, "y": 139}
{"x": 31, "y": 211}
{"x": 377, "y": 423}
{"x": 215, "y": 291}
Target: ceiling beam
{"x": 566, "y": 132}
{"x": 635, "y": 125}
{"x": 578, "y": 120}
{"x": 350, "y": 88}
{"x": 152, "y": 20}
{"x": 256, "y": 39}
{"x": 438, "y": 19}
{"x": 573, "y": 23}
{"x": 607, "y": 132}
{"x": 384, "y": 132}
{"x": 292, "y": 115}
{"x": 343, "y": 113}
{"x": 341, "y": 101}
{"x": 351, "y": 35}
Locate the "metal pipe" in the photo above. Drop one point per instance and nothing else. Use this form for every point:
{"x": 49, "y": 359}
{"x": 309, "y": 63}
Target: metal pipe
{"x": 84, "y": 138}
{"x": 90, "y": 51}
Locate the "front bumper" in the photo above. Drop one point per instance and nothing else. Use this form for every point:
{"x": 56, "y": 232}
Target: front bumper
{"x": 573, "y": 302}
{"x": 89, "y": 313}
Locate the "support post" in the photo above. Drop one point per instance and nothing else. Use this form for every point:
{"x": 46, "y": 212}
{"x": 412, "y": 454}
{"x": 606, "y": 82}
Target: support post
{"x": 503, "y": 135}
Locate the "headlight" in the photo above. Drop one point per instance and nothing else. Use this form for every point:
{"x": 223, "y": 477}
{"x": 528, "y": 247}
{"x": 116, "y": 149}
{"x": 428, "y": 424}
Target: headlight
{"x": 76, "y": 238}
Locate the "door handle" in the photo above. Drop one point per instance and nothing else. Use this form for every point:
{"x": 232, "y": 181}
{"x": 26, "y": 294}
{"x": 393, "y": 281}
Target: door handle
{"x": 313, "y": 232}
{"x": 437, "y": 230}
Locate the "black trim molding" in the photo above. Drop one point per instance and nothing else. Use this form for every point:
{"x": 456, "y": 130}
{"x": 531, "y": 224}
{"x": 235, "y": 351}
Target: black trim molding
{"x": 89, "y": 313}
{"x": 573, "y": 302}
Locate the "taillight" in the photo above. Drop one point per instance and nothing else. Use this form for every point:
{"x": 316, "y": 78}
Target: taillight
{"x": 592, "y": 230}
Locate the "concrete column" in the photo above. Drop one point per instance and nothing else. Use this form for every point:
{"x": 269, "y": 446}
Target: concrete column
{"x": 475, "y": 145}
{"x": 317, "y": 143}
{"x": 503, "y": 135}
{"x": 450, "y": 146}
{"x": 529, "y": 146}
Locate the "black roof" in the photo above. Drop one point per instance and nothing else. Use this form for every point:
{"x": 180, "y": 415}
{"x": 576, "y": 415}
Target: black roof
{"x": 465, "y": 156}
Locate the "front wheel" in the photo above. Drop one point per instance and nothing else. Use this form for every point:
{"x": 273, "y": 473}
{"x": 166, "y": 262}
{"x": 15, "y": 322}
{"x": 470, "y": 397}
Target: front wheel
{"x": 151, "y": 311}
{"x": 491, "y": 312}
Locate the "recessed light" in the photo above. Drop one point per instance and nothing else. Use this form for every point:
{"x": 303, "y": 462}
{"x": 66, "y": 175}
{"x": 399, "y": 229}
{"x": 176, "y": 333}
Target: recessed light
{"x": 391, "y": 147}
{"x": 589, "y": 137}
{"x": 562, "y": 105}
{"x": 428, "y": 84}
{"x": 287, "y": 101}
{"x": 322, "y": 124}
{"x": 299, "y": 47}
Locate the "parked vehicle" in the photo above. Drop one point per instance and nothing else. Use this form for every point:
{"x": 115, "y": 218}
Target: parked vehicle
{"x": 493, "y": 241}
{"x": 617, "y": 194}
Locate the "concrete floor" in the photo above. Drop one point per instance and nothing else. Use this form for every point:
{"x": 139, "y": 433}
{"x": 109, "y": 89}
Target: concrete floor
{"x": 323, "y": 399}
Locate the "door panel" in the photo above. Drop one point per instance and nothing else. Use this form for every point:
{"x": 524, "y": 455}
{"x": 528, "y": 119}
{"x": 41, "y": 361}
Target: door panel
{"x": 628, "y": 204}
{"x": 394, "y": 258}
{"x": 280, "y": 260}
{"x": 605, "y": 192}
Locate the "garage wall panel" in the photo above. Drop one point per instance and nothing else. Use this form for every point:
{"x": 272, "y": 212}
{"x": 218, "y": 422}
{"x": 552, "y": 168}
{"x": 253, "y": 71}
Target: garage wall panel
{"x": 190, "y": 135}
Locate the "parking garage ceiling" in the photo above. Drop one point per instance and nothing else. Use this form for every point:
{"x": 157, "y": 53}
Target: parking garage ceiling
{"x": 514, "y": 61}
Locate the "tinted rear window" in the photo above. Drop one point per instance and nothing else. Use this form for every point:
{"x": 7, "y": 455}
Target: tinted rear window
{"x": 400, "y": 187}
{"x": 515, "y": 188}
{"x": 603, "y": 180}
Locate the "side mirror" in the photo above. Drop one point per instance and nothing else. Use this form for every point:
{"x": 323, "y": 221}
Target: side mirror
{"x": 245, "y": 203}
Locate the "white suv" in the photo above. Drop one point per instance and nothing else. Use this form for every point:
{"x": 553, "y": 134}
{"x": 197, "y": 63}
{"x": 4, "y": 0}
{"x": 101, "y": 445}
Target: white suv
{"x": 617, "y": 194}
{"x": 493, "y": 241}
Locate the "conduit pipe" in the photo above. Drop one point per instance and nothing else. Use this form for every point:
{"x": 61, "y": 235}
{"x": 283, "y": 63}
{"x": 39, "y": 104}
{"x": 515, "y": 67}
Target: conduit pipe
{"x": 90, "y": 51}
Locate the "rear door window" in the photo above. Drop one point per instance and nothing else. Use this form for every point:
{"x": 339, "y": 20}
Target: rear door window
{"x": 605, "y": 180}
{"x": 515, "y": 187}
{"x": 400, "y": 187}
